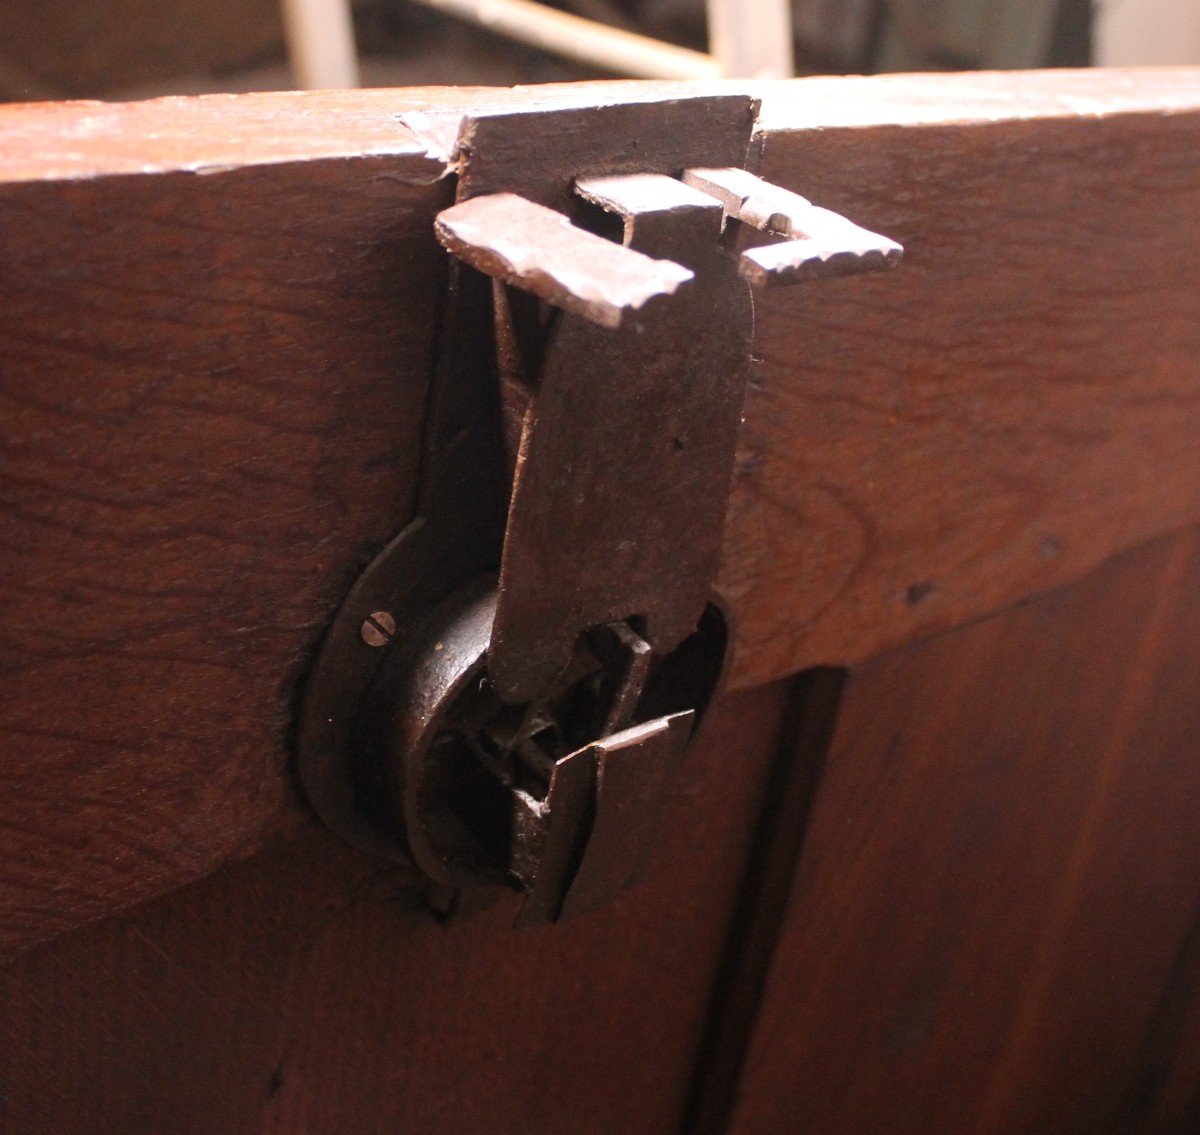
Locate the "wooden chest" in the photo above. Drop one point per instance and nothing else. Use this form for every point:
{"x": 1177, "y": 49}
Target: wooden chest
{"x": 932, "y": 863}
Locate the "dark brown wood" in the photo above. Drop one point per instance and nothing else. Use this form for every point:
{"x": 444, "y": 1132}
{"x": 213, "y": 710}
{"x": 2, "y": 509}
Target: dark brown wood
{"x": 213, "y": 389}
{"x": 1163, "y": 1097}
{"x": 1000, "y": 877}
{"x": 763, "y": 901}
{"x": 214, "y": 385}
{"x": 180, "y": 351}
{"x": 304, "y": 991}
{"x": 924, "y": 447}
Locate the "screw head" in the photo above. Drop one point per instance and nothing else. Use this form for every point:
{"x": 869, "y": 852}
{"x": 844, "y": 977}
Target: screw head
{"x": 378, "y": 629}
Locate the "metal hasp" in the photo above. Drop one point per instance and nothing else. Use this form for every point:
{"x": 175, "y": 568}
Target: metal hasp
{"x": 507, "y": 692}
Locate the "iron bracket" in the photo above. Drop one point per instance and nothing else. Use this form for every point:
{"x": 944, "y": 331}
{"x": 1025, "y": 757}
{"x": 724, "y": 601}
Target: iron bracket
{"x": 506, "y": 694}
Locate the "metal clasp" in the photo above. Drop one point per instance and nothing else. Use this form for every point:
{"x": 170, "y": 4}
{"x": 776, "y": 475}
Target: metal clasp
{"x": 508, "y": 691}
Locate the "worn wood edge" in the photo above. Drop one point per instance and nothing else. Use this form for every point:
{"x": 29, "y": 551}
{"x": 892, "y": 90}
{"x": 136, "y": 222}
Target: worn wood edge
{"x": 204, "y": 134}
{"x": 975, "y": 97}
{"x": 210, "y": 133}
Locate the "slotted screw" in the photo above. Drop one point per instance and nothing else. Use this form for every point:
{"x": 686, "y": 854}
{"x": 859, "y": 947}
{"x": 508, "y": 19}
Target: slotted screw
{"x": 378, "y": 629}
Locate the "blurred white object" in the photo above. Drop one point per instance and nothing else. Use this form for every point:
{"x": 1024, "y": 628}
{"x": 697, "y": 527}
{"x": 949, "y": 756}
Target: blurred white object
{"x": 1133, "y": 32}
{"x": 598, "y": 45}
{"x": 320, "y": 43}
{"x": 751, "y": 39}
{"x": 747, "y": 38}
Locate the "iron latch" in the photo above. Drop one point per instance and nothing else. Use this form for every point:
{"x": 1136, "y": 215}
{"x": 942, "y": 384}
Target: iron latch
{"x": 507, "y": 692}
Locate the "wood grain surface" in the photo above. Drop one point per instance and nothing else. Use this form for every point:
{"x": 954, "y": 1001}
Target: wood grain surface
{"x": 303, "y": 991}
{"x": 179, "y": 354}
{"x": 218, "y": 319}
{"x": 992, "y": 927}
{"x": 1018, "y": 401}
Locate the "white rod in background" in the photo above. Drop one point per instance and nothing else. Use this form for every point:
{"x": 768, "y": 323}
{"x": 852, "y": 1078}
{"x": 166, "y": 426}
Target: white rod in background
{"x": 751, "y": 39}
{"x": 320, "y": 43}
{"x": 598, "y": 45}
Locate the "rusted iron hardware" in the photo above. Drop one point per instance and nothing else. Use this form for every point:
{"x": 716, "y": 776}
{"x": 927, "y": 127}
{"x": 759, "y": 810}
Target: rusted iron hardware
{"x": 507, "y": 692}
